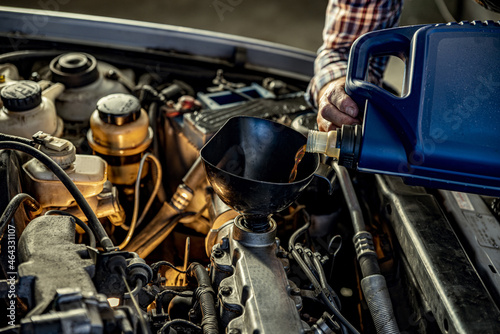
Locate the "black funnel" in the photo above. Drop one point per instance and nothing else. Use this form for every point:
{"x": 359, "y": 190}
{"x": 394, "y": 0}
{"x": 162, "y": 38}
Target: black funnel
{"x": 248, "y": 163}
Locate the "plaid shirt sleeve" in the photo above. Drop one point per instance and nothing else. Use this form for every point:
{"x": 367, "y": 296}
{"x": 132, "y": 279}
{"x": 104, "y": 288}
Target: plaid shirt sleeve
{"x": 345, "y": 21}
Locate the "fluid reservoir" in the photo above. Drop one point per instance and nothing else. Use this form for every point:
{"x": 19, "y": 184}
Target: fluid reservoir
{"x": 8, "y": 74}
{"x": 88, "y": 172}
{"x": 120, "y": 133}
{"x": 86, "y": 81}
{"x": 27, "y": 110}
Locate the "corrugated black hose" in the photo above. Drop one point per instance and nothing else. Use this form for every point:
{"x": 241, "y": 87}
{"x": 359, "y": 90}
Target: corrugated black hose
{"x": 206, "y": 297}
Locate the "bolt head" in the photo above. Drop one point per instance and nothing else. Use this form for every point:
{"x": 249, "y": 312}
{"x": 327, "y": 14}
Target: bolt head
{"x": 225, "y": 290}
{"x": 217, "y": 253}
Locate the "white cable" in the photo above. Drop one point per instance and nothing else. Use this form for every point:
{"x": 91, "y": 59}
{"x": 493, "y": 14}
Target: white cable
{"x": 135, "y": 213}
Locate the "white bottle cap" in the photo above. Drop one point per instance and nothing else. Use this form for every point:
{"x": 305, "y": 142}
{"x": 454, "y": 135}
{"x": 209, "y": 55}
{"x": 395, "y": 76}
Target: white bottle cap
{"x": 317, "y": 142}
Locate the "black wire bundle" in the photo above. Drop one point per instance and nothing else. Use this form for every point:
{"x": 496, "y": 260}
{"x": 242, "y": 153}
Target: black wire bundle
{"x": 312, "y": 268}
{"x": 204, "y": 294}
{"x": 183, "y": 322}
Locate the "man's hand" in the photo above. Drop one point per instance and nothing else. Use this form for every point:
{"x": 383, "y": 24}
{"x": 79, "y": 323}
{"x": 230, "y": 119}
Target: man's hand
{"x": 335, "y": 107}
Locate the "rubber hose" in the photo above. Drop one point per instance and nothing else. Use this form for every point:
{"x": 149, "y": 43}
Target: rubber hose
{"x": 205, "y": 296}
{"x": 351, "y": 199}
{"x": 138, "y": 286}
{"x": 12, "y": 207}
{"x": 379, "y": 303}
{"x": 375, "y": 287}
{"x": 296, "y": 234}
{"x": 369, "y": 265}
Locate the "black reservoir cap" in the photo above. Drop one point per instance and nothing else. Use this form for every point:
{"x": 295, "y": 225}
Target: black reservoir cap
{"x": 75, "y": 69}
{"x": 119, "y": 109}
{"x": 21, "y": 96}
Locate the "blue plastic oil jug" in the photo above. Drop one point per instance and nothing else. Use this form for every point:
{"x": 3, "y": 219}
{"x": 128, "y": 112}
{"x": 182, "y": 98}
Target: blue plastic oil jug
{"x": 444, "y": 131}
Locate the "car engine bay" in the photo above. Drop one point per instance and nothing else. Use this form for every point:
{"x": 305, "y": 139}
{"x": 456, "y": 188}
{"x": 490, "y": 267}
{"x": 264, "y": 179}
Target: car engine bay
{"x": 126, "y": 233}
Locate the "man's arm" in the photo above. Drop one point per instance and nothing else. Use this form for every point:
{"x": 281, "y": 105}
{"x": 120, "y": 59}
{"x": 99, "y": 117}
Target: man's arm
{"x": 345, "y": 21}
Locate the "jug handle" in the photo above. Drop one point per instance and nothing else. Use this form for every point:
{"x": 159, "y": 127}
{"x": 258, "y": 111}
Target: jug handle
{"x": 395, "y": 42}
